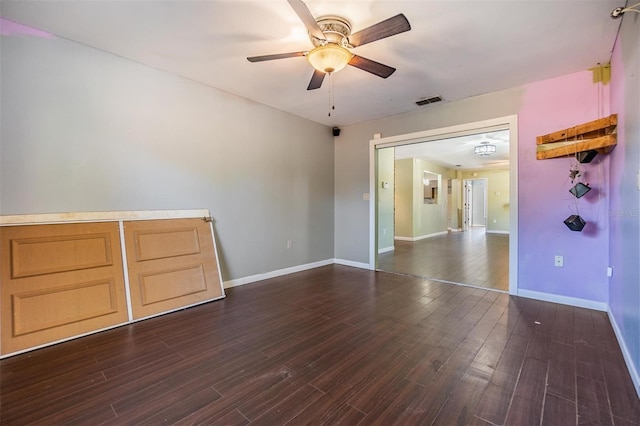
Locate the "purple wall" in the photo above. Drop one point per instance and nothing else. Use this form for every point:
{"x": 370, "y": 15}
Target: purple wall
{"x": 544, "y": 200}
{"x": 624, "y": 220}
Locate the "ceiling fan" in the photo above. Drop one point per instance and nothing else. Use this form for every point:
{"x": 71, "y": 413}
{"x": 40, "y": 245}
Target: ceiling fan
{"x": 331, "y": 37}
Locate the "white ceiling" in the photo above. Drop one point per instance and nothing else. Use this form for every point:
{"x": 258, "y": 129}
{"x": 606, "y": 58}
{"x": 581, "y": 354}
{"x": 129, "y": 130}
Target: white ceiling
{"x": 455, "y": 49}
{"x": 458, "y": 152}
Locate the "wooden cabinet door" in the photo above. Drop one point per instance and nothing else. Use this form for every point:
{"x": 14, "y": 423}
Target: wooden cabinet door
{"x": 59, "y": 281}
{"x": 171, "y": 263}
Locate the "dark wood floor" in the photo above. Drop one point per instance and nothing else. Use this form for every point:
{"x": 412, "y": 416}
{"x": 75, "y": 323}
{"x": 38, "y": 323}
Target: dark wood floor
{"x": 334, "y": 345}
{"x": 470, "y": 257}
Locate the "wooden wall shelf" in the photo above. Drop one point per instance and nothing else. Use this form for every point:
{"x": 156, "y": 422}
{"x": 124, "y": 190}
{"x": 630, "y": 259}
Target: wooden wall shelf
{"x": 597, "y": 135}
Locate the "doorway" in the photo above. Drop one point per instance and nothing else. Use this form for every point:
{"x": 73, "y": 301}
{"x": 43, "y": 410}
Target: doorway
{"x": 475, "y": 202}
{"x": 464, "y": 208}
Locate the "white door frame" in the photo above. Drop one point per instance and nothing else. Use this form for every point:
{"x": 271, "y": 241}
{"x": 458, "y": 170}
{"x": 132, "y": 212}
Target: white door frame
{"x": 501, "y": 123}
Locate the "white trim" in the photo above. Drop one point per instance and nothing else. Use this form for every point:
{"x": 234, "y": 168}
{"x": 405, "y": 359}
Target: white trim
{"x": 628, "y": 359}
{"x": 385, "y": 250}
{"x": 351, "y": 263}
{"x": 508, "y": 122}
{"x": 373, "y": 200}
{"x": 497, "y": 232}
{"x": 513, "y": 204}
{"x": 125, "y": 270}
{"x": 277, "y": 273}
{"x": 451, "y": 131}
{"x": 421, "y": 237}
{"x": 113, "y": 216}
{"x": 563, "y": 300}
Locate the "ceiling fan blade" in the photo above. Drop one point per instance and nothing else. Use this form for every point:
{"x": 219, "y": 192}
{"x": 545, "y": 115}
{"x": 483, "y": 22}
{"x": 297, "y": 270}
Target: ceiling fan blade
{"x": 381, "y": 70}
{"x": 316, "y": 80}
{"x": 392, "y": 26}
{"x": 276, "y": 56}
{"x": 307, "y": 18}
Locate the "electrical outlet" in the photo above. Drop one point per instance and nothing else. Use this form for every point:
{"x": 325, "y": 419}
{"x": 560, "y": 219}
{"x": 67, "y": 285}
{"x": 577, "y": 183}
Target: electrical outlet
{"x": 609, "y": 271}
{"x": 559, "y": 261}
{"x": 289, "y": 244}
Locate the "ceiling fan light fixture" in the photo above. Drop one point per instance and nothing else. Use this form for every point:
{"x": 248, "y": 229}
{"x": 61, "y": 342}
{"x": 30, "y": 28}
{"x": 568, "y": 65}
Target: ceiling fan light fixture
{"x": 484, "y": 149}
{"x": 329, "y": 58}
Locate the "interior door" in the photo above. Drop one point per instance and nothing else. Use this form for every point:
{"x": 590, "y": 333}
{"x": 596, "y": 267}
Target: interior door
{"x": 468, "y": 204}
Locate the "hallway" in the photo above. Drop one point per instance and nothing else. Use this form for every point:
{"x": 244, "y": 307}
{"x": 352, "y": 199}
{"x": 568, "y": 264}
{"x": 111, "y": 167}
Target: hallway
{"x": 471, "y": 257}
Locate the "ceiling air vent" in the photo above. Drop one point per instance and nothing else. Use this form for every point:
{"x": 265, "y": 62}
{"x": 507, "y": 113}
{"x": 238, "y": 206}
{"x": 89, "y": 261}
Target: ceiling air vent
{"x": 432, "y": 100}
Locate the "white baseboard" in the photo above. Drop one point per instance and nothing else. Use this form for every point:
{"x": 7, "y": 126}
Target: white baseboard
{"x": 421, "y": 237}
{"x": 386, "y": 249}
{"x": 563, "y": 300}
{"x": 278, "y": 273}
{"x": 496, "y": 232}
{"x": 351, "y": 263}
{"x": 628, "y": 359}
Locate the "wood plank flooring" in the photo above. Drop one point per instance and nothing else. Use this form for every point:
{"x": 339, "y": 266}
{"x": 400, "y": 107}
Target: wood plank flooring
{"x": 334, "y": 345}
{"x": 470, "y": 257}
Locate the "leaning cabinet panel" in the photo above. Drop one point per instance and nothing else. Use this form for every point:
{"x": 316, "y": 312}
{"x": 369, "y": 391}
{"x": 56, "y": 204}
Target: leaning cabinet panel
{"x": 171, "y": 264}
{"x": 59, "y": 281}
{"x": 70, "y": 274}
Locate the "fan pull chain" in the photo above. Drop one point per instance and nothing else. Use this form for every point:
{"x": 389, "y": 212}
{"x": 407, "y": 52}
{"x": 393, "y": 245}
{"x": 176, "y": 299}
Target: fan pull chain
{"x": 331, "y": 96}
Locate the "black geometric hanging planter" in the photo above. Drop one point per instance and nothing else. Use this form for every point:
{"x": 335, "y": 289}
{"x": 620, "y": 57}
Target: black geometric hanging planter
{"x": 579, "y": 189}
{"x": 575, "y": 222}
{"x": 586, "y": 156}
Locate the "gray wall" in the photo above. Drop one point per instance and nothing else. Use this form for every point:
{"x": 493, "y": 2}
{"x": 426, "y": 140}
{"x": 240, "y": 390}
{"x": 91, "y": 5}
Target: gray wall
{"x": 83, "y": 130}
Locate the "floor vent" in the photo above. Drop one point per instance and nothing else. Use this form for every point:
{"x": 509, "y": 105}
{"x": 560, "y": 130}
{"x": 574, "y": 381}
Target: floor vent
{"x": 432, "y": 100}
